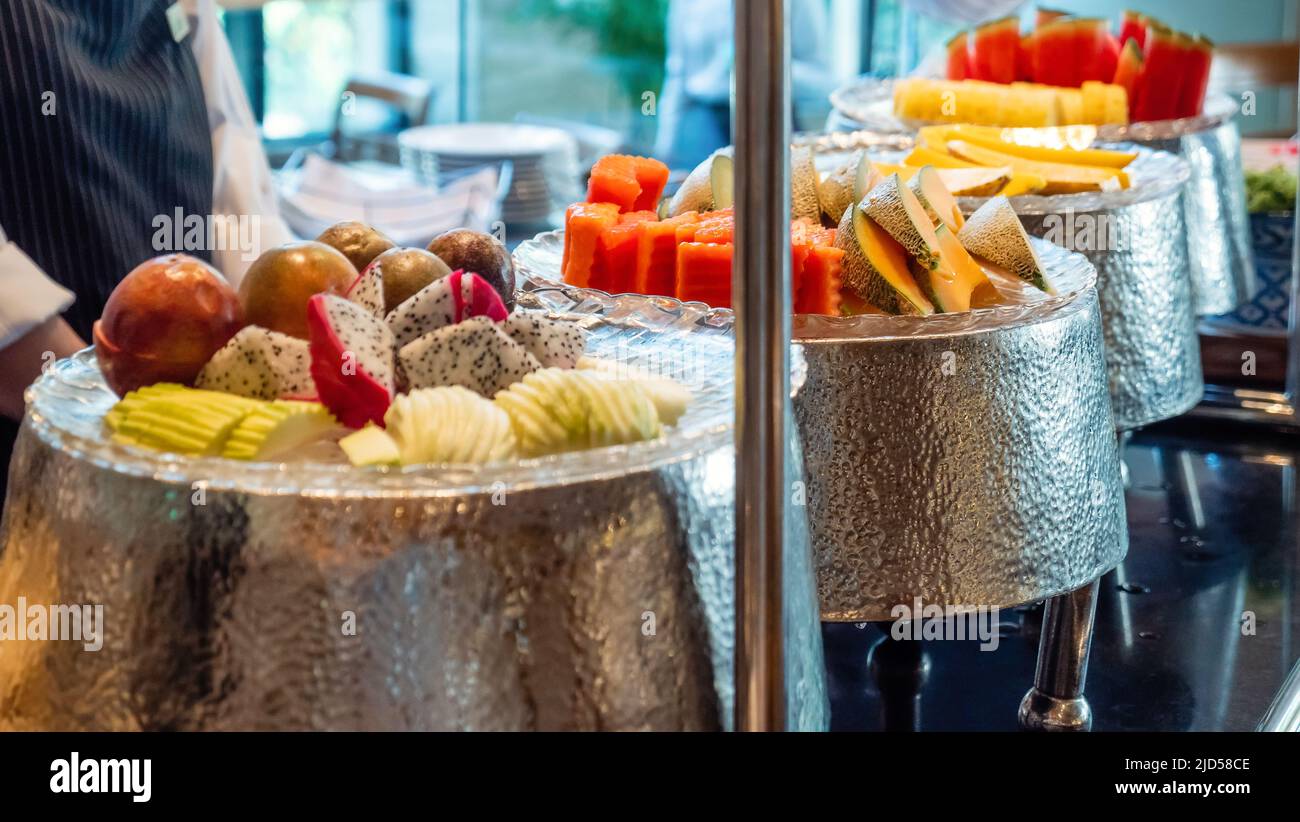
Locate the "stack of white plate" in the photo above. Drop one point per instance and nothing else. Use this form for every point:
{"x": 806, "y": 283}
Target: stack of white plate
{"x": 544, "y": 161}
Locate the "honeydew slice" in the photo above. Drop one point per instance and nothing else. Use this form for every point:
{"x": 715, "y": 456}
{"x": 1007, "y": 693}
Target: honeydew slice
{"x": 710, "y": 186}
{"x": 994, "y": 232}
{"x": 875, "y": 267}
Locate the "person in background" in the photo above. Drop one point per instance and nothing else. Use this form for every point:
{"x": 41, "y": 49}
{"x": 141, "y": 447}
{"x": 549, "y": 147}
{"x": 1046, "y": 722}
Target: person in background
{"x": 695, "y": 106}
{"x": 112, "y": 114}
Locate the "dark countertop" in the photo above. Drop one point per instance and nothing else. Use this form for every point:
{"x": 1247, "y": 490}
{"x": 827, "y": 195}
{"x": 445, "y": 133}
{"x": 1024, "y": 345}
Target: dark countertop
{"x": 1212, "y": 516}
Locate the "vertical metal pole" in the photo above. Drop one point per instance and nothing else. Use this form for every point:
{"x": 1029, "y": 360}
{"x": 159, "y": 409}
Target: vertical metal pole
{"x": 761, "y": 285}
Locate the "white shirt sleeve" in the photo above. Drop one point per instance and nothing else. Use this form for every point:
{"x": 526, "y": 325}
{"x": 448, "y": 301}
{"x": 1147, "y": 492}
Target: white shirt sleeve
{"x": 27, "y": 296}
{"x": 243, "y": 191}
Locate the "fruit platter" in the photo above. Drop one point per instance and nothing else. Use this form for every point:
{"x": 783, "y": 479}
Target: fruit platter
{"x": 1119, "y": 204}
{"x": 522, "y": 501}
{"x": 905, "y": 308}
{"x": 1134, "y": 79}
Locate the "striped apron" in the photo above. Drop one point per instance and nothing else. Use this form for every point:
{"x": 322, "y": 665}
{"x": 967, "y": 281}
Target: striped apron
{"x": 103, "y": 127}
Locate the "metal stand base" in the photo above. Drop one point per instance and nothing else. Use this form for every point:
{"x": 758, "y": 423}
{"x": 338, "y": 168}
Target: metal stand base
{"x": 900, "y": 668}
{"x": 1056, "y": 702}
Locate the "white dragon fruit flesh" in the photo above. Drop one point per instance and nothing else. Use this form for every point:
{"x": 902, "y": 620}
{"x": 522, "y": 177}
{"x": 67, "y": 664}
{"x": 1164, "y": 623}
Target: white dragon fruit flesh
{"x": 351, "y": 360}
{"x": 367, "y": 290}
{"x": 555, "y": 343}
{"x": 261, "y": 364}
{"x": 474, "y": 353}
{"x": 450, "y": 300}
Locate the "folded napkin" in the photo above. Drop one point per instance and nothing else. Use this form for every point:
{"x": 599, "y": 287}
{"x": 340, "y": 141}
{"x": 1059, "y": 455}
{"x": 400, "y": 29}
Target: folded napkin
{"x": 322, "y": 192}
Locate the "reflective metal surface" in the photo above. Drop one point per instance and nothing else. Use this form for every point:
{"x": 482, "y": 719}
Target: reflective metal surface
{"x": 1056, "y": 702}
{"x": 761, "y": 278}
{"x": 1197, "y": 628}
{"x": 966, "y": 459}
{"x": 588, "y": 591}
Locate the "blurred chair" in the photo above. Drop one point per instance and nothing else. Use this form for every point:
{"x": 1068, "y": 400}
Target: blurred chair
{"x": 409, "y": 98}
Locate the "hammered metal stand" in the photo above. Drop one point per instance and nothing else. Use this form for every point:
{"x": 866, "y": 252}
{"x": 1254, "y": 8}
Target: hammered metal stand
{"x": 965, "y": 460}
{"x": 587, "y": 591}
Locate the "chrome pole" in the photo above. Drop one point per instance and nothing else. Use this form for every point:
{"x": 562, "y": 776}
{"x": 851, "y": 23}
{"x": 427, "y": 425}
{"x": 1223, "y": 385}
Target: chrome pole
{"x": 761, "y": 285}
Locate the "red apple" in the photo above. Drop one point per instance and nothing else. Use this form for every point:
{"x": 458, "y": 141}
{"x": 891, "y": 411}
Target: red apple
{"x": 163, "y": 322}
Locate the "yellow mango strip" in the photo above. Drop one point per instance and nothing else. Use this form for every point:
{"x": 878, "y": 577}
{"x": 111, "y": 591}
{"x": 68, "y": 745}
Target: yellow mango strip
{"x": 1061, "y": 178}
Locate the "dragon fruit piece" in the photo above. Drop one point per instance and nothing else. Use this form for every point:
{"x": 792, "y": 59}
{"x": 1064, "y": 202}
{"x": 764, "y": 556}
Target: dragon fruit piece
{"x": 444, "y": 302}
{"x": 260, "y": 364}
{"x": 475, "y": 353}
{"x": 367, "y": 290}
{"x": 351, "y": 360}
{"x": 555, "y": 343}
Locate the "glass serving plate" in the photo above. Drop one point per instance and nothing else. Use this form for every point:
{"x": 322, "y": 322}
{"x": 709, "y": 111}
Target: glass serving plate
{"x": 1152, "y": 174}
{"x": 870, "y": 102}
{"x": 684, "y": 342}
{"x": 538, "y": 264}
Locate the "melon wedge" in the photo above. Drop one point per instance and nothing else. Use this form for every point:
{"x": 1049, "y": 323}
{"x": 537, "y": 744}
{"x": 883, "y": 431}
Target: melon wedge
{"x": 1023, "y": 184}
{"x": 1061, "y": 178}
{"x": 847, "y": 185}
{"x": 894, "y": 207}
{"x": 975, "y": 182}
{"x": 875, "y": 267}
{"x": 935, "y": 198}
{"x": 958, "y": 283}
{"x": 710, "y": 186}
{"x": 994, "y": 232}
{"x": 803, "y": 185}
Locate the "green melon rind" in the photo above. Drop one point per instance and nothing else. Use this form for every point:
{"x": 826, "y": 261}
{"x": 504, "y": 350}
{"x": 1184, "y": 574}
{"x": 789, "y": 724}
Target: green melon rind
{"x": 995, "y": 233}
{"x": 884, "y": 204}
{"x": 863, "y": 277}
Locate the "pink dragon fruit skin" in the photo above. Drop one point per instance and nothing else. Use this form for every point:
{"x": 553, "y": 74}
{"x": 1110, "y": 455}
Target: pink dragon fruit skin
{"x": 367, "y": 290}
{"x": 447, "y": 301}
{"x": 351, "y": 360}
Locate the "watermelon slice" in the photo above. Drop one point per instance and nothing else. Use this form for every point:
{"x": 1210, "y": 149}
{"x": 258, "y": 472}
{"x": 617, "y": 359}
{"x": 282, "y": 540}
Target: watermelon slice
{"x": 1133, "y": 26}
{"x": 1053, "y": 63}
{"x": 704, "y": 273}
{"x": 1108, "y": 59}
{"x": 993, "y": 50}
{"x": 1128, "y": 73}
{"x": 1090, "y": 50}
{"x": 1191, "y": 94}
{"x": 1159, "y": 89}
{"x": 1025, "y": 58}
{"x": 958, "y": 68}
{"x": 656, "y": 258}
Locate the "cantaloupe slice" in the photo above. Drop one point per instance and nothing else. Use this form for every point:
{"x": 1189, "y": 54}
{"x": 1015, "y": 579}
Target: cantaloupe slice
{"x": 875, "y": 266}
{"x": 995, "y": 233}
{"x": 958, "y": 282}
{"x": 935, "y": 198}
{"x": 804, "y": 204}
{"x": 894, "y": 207}
{"x": 1061, "y": 178}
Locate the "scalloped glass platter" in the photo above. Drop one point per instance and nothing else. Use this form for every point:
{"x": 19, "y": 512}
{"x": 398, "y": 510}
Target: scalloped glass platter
{"x": 538, "y": 264}
{"x": 1152, "y": 175}
{"x": 684, "y": 342}
{"x": 869, "y": 101}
